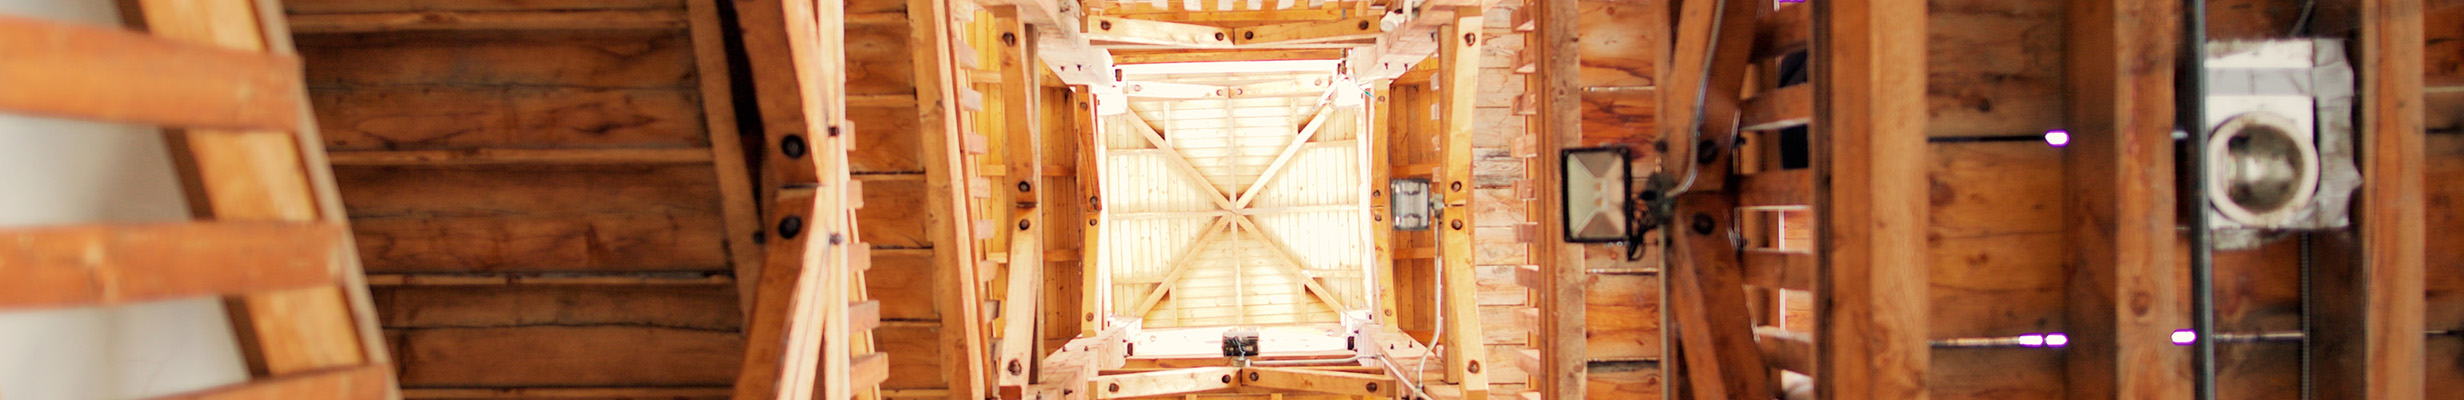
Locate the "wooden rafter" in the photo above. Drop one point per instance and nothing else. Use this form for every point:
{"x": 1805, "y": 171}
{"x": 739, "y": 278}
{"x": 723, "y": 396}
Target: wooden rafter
{"x": 1459, "y": 74}
{"x": 1284, "y": 157}
{"x": 939, "y": 88}
{"x": 1177, "y": 160}
{"x": 103, "y": 265}
{"x": 2120, "y": 176}
{"x": 86, "y": 72}
{"x": 2374, "y": 305}
{"x": 1292, "y": 264}
{"x": 1563, "y": 343}
{"x": 1870, "y": 199}
{"x": 1180, "y": 265}
{"x": 1022, "y": 308}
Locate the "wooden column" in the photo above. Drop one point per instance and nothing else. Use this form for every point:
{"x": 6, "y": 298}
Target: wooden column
{"x": 1458, "y": 80}
{"x": 1870, "y": 199}
{"x": 2124, "y": 288}
{"x": 2371, "y": 292}
{"x": 1382, "y": 130}
{"x": 1556, "y": 84}
{"x": 1023, "y": 151}
{"x": 1096, "y": 306}
{"x": 937, "y": 95}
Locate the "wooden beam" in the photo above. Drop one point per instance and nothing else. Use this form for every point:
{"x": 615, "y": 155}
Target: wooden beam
{"x": 726, "y": 152}
{"x": 1779, "y": 269}
{"x": 2373, "y": 307}
{"x": 524, "y": 157}
{"x": 1700, "y": 109}
{"x": 104, "y": 264}
{"x": 568, "y": 392}
{"x": 1784, "y": 349}
{"x": 1789, "y": 29}
{"x": 1376, "y": 384}
{"x": 1381, "y": 214}
{"x": 1114, "y": 30}
{"x": 1178, "y": 161}
{"x": 1307, "y": 131}
{"x": 1093, "y": 267}
{"x": 366, "y": 382}
{"x": 1779, "y": 189}
{"x": 267, "y": 176}
{"x": 1459, "y": 74}
{"x": 1785, "y": 107}
{"x": 1180, "y": 266}
{"x": 487, "y": 20}
{"x": 1181, "y": 56}
{"x": 1188, "y": 380}
{"x": 1555, "y": 87}
{"x": 1705, "y": 294}
{"x": 1870, "y": 199}
{"x": 2119, "y": 175}
{"x": 81, "y": 71}
{"x": 1023, "y": 131}
{"x": 938, "y": 84}
{"x": 1294, "y": 265}
{"x": 1347, "y": 29}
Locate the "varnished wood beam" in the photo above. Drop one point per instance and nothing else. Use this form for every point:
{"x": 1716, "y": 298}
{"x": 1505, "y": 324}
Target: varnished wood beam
{"x": 1870, "y": 199}
{"x": 1021, "y": 308}
{"x": 1555, "y": 87}
{"x": 366, "y": 382}
{"x": 1459, "y": 77}
{"x": 1181, "y": 56}
{"x": 2373, "y": 307}
{"x": 1307, "y": 131}
{"x": 726, "y": 152}
{"x": 487, "y": 20}
{"x": 938, "y": 86}
{"x": 1706, "y": 295}
{"x": 2120, "y": 230}
{"x": 106, "y": 264}
{"x": 525, "y": 157}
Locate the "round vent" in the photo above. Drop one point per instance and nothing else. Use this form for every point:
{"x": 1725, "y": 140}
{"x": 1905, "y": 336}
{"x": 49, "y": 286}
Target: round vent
{"x": 2261, "y": 172}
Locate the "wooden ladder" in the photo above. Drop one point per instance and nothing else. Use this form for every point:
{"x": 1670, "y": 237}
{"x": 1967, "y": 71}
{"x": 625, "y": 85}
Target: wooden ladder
{"x": 1725, "y": 354}
{"x": 811, "y": 326}
{"x": 223, "y": 78}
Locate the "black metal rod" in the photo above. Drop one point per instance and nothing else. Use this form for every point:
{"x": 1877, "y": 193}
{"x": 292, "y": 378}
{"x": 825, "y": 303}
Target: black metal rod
{"x": 2190, "y": 95}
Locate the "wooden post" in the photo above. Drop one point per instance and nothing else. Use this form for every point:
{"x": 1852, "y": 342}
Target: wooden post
{"x": 938, "y": 88}
{"x": 1020, "y": 97}
{"x": 1556, "y": 83}
{"x": 1459, "y": 82}
{"x": 1096, "y": 308}
{"x": 2372, "y": 296}
{"x": 2120, "y": 224}
{"x": 1381, "y": 214}
{"x": 1870, "y": 199}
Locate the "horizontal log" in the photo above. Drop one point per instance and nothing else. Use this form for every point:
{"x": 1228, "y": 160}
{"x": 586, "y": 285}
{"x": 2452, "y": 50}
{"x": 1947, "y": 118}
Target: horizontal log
{"x": 365, "y": 382}
{"x": 1376, "y": 384}
{"x": 564, "y": 279}
{"x": 109, "y": 264}
{"x": 869, "y": 370}
{"x": 81, "y": 71}
{"x": 521, "y": 156}
{"x": 501, "y": 20}
{"x": 1792, "y": 270}
{"x": 570, "y": 392}
{"x": 1781, "y": 188}
{"x": 1786, "y": 350}
{"x": 1785, "y": 107}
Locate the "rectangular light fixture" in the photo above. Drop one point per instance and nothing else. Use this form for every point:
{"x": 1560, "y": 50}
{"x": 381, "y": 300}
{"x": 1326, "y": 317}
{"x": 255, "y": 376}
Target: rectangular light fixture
{"x": 1594, "y": 187}
{"x": 1410, "y": 203}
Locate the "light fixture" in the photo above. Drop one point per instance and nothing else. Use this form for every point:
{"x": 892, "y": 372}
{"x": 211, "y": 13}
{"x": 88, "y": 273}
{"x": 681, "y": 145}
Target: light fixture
{"x": 1594, "y": 189}
{"x": 2057, "y": 138}
{"x": 1410, "y": 204}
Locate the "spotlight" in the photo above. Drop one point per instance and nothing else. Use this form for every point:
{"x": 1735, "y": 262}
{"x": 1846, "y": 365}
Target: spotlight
{"x": 2184, "y": 337}
{"x": 2056, "y": 339}
{"x": 2057, "y": 138}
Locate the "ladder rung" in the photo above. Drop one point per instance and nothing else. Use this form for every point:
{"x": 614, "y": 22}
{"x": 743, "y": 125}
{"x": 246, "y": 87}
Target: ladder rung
{"x": 1529, "y": 276}
{"x": 1785, "y": 107}
{"x": 87, "y": 72}
{"x": 1528, "y": 359}
{"x": 869, "y": 370}
{"x": 1792, "y": 270}
{"x": 107, "y": 264}
{"x": 1781, "y": 188}
{"x": 863, "y": 315}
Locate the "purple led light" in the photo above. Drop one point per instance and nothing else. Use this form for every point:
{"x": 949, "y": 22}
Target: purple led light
{"x": 2184, "y": 337}
{"x": 2057, "y": 138}
{"x": 2031, "y": 340}
{"x": 2056, "y": 339}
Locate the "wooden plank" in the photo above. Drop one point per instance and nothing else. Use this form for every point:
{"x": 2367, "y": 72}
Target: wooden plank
{"x": 1188, "y": 380}
{"x": 1789, "y": 29}
{"x": 363, "y": 6}
{"x": 1713, "y": 319}
{"x": 86, "y": 72}
{"x": 1180, "y": 266}
{"x": 938, "y": 86}
{"x": 2373, "y": 296}
{"x": 710, "y": 307}
{"x": 1459, "y": 74}
{"x": 1870, "y": 199}
{"x": 1775, "y": 269}
{"x": 1785, "y": 107}
{"x": 1624, "y": 321}
{"x": 589, "y": 59}
{"x": 1785, "y": 350}
{"x": 1293, "y": 264}
{"x": 485, "y": 156}
{"x": 769, "y": 358}
{"x": 735, "y": 180}
{"x": 366, "y": 382}
{"x": 491, "y": 20}
{"x": 583, "y": 355}
{"x": 1714, "y": 43}
{"x": 1180, "y": 162}
{"x": 711, "y": 392}
{"x": 1307, "y": 132}
{"x": 104, "y": 264}
{"x": 1381, "y": 230}
{"x": 2118, "y": 182}
{"x": 1376, "y": 384}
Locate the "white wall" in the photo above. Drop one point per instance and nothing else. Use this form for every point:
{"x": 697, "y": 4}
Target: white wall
{"x": 55, "y": 172}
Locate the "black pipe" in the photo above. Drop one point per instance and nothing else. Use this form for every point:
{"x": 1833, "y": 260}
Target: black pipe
{"x": 2190, "y": 94}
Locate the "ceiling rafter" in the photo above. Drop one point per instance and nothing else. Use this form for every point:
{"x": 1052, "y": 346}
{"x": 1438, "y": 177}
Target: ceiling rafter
{"x": 1178, "y": 161}
{"x": 1316, "y": 120}
{"x": 1180, "y": 265}
{"x": 1293, "y": 265}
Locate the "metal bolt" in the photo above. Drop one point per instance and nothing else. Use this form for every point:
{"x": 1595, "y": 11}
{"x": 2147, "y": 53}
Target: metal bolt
{"x": 1009, "y": 39}
{"x": 1474, "y": 367}
{"x": 1470, "y": 39}
{"x": 1219, "y": 36}
{"x": 1024, "y": 187}
{"x": 1650, "y": 195}
{"x": 836, "y": 238}
{"x": 1706, "y": 152}
{"x": 790, "y": 227}
{"x": 1227, "y": 379}
{"x": 1090, "y": 316}
{"x": 1024, "y": 223}
{"x": 1455, "y": 186}
{"x": 1115, "y": 388}
{"x": 1702, "y": 224}
{"x": 1372, "y": 386}
{"x": 1091, "y": 221}
{"x": 792, "y": 146}
{"x": 1364, "y": 25}
{"x": 1017, "y": 368}
{"x": 1659, "y": 146}
{"x": 1253, "y": 376}
{"x": 1250, "y": 35}
{"x": 1458, "y": 224}
{"x": 833, "y": 131}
